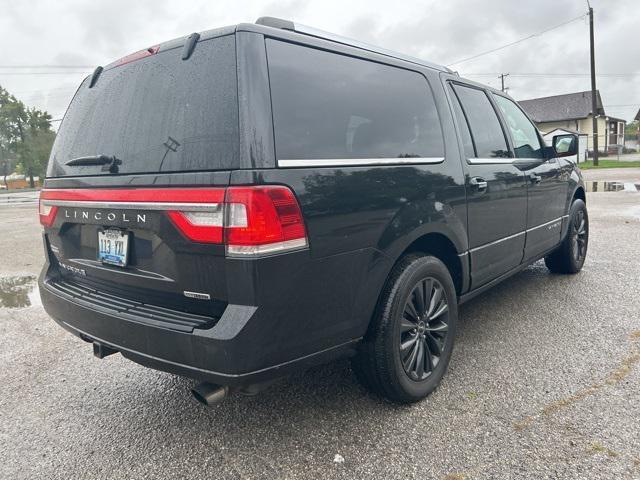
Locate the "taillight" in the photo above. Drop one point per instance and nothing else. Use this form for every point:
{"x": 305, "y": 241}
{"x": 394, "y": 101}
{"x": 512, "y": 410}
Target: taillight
{"x": 263, "y": 220}
{"x": 248, "y": 220}
{"x": 47, "y": 213}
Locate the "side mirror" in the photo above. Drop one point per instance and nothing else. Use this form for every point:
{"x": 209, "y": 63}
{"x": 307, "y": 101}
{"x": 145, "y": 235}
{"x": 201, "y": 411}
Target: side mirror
{"x": 565, "y": 145}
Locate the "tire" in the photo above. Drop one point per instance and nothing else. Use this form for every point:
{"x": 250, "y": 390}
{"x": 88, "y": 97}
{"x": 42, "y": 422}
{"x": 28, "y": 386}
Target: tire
{"x": 381, "y": 364}
{"x": 569, "y": 257}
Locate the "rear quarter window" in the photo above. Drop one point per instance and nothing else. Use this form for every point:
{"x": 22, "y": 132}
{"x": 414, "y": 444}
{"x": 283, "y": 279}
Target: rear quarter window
{"x": 332, "y": 106}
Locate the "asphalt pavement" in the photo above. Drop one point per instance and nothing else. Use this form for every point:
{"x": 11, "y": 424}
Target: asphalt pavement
{"x": 543, "y": 383}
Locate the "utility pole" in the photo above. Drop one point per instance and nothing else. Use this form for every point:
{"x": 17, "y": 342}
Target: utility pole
{"x": 501, "y": 77}
{"x": 594, "y": 100}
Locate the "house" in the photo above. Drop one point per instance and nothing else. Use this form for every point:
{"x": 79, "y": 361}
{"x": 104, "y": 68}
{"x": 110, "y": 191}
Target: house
{"x": 572, "y": 111}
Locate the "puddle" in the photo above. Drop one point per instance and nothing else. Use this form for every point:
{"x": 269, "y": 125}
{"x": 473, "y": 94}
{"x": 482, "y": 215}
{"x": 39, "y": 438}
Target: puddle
{"x": 18, "y": 292}
{"x": 602, "y": 186}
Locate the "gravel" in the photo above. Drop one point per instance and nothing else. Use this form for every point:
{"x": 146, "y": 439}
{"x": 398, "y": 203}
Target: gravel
{"x": 543, "y": 384}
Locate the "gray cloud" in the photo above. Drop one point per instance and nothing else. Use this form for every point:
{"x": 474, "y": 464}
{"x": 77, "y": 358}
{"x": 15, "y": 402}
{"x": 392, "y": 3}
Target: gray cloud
{"x": 92, "y": 33}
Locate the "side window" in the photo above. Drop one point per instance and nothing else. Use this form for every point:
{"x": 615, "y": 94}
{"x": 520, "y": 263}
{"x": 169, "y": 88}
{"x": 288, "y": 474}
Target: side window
{"x": 525, "y": 137}
{"x": 331, "y": 106}
{"x": 467, "y": 142}
{"x": 486, "y": 131}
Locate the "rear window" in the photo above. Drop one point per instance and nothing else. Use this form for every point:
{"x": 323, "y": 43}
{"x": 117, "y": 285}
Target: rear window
{"x": 156, "y": 114}
{"x": 331, "y": 106}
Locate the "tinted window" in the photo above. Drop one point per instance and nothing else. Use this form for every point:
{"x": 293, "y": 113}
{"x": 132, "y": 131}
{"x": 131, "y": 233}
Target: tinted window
{"x": 328, "y": 106}
{"x": 525, "y": 137}
{"x": 467, "y": 142}
{"x": 160, "y": 113}
{"x": 486, "y": 131}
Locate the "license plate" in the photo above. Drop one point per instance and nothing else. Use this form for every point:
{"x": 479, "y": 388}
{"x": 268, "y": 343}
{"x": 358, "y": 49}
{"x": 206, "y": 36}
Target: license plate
{"x": 113, "y": 246}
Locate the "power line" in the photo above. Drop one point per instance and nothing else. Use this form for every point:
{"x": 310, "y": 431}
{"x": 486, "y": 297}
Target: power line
{"x": 520, "y": 40}
{"x": 42, "y": 90}
{"x": 554, "y": 74}
{"x": 47, "y": 66}
{"x": 44, "y": 73}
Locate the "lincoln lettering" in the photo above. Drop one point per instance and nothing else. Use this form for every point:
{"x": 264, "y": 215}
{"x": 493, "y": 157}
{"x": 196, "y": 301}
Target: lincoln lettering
{"x": 110, "y": 216}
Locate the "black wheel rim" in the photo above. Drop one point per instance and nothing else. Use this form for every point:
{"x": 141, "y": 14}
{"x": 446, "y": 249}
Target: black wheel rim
{"x": 423, "y": 329}
{"x": 579, "y": 227}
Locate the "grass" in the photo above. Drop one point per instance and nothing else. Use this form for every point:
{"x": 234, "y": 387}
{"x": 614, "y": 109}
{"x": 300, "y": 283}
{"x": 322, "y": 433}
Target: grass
{"x": 588, "y": 165}
{"x": 599, "y": 448}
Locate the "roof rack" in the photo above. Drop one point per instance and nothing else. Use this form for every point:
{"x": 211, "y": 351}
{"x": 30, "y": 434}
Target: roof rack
{"x": 314, "y": 32}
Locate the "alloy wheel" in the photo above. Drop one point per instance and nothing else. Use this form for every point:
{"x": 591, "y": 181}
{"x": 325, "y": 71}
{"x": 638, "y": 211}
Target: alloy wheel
{"x": 423, "y": 329}
{"x": 579, "y": 227}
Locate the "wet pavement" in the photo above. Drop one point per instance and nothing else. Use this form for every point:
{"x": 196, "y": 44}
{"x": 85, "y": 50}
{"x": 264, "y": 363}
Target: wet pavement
{"x": 612, "y": 175}
{"x": 544, "y": 383}
{"x": 604, "y": 186}
{"x": 18, "y": 292}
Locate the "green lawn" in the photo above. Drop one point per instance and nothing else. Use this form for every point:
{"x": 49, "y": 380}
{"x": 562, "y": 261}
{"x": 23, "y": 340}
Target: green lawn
{"x": 609, "y": 164}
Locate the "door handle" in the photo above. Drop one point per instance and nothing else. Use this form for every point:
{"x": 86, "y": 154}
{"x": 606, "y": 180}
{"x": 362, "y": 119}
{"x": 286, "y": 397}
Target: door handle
{"x": 479, "y": 183}
{"x": 535, "y": 178}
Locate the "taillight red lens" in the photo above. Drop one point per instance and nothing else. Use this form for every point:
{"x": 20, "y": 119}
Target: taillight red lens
{"x": 263, "y": 220}
{"x": 47, "y": 213}
{"x": 132, "y": 57}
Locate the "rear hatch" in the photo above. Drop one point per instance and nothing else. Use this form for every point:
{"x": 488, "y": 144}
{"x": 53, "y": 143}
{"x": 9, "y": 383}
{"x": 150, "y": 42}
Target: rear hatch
{"x": 132, "y": 205}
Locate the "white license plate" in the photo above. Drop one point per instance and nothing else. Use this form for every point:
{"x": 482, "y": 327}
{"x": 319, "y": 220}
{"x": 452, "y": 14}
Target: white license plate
{"x": 113, "y": 246}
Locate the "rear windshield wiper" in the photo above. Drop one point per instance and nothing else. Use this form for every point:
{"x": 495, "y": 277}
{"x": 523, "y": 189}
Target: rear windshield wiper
{"x": 109, "y": 164}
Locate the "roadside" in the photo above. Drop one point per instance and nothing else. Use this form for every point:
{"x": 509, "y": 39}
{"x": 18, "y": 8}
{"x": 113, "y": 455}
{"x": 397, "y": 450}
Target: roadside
{"x": 19, "y": 196}
{"x": 609, "y": 163}
{"x": 612, "y": 174}
{"x": 544, "y": 383}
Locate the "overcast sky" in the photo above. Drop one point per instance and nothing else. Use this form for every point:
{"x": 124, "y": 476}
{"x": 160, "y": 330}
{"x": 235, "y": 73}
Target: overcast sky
{"x": 87, "y": 33}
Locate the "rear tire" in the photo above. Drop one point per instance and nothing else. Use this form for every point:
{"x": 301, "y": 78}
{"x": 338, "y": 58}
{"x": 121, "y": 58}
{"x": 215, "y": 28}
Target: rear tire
{"x": 569, "y": 257}
{"x": 411, "y": 337}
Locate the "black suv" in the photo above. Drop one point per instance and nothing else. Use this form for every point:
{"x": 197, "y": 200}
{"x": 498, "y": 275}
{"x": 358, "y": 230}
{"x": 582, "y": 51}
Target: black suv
{"x": 254, "y": 199}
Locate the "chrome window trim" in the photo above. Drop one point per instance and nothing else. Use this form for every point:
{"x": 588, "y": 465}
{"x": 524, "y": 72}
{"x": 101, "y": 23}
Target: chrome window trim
{"x": 193, "y": 207}
{"x": 356, "y": 162}
{"x": 489, "y": 161}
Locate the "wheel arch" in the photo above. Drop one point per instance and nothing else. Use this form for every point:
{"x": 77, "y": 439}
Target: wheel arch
{"x": 440, "y": 246}
{"x": 435, "y": 243}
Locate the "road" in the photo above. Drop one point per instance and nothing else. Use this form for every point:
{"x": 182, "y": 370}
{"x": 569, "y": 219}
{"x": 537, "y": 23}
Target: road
{"x": 544, "y": 383}
{"x": 18, "y": 196}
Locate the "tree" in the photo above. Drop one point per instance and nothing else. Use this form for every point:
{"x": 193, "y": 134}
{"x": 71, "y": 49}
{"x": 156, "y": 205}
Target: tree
{"x": 36, "y": 141}
{"x": 26, "y": 135}
{"x": 631, "y": 129}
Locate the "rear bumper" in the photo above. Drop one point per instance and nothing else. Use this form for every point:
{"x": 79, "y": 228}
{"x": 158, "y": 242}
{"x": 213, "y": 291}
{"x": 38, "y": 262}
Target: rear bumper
{"x": 221, "y": 354}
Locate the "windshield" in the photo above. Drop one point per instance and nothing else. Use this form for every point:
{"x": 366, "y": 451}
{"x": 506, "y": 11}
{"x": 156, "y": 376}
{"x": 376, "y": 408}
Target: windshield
{"x": 156, "y": 114}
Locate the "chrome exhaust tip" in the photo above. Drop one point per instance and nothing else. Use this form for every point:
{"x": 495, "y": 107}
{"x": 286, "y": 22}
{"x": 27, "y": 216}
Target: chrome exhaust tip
{"x": 209, "y": 394}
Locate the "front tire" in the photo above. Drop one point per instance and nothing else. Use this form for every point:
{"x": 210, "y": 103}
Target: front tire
{"x": 409, "y": 345}
{"x": 569, "y": 257}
